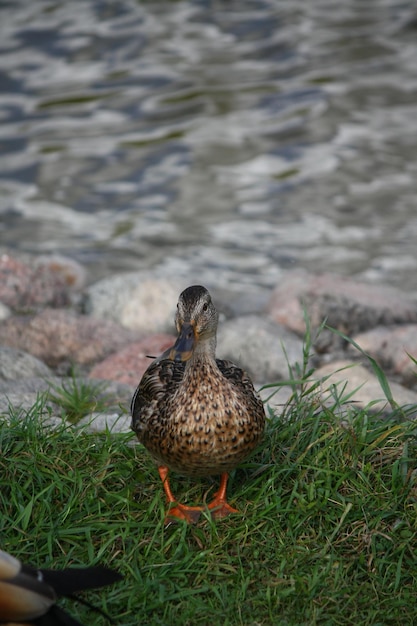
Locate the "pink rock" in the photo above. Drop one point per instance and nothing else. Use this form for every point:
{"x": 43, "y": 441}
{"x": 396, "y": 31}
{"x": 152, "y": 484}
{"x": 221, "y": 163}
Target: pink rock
{"x": 285, "y": 305}
{"x": 55, "y": 336}
{"x": 346, "y": 304}
{"x": 393, "y": 347}
{"x": 26, "y": 286}
{"x": 68, "y": 271}
{"x": 129, "y": 364}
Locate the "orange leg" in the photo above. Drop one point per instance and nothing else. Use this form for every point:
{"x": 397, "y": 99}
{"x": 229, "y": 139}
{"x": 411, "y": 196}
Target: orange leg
{"x": 179, "y": 511}
{"x": 219, "y": 506}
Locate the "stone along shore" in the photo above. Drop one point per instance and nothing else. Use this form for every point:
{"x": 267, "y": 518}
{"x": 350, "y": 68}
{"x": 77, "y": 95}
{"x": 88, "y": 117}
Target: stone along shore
{"x": 52, "y": 323}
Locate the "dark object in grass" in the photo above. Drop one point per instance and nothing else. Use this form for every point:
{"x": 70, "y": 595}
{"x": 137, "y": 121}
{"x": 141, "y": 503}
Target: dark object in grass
{"x": 28, "y": 595}
{"x": 196, "y": 414}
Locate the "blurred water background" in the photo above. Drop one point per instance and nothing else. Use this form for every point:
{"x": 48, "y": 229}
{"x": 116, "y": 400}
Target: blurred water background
{"x": 226, "y": 139}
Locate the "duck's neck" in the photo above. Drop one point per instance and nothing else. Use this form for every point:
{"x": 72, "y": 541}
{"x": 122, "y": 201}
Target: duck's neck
{"x": 204, "y": 352}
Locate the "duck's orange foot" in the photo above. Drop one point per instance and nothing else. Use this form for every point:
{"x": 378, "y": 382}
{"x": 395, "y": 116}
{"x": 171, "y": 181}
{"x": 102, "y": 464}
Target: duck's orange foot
{"x": 220, "y": 509}
{"x": 189, "y": 514}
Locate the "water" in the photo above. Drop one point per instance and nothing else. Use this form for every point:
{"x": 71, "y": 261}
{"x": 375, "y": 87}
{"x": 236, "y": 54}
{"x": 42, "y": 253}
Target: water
{"x": 228, "y": 140}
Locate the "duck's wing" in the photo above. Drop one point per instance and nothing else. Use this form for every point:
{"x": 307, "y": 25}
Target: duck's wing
{"x": 160, "y": 380}
{"x": 248, "y": 403}
{"x": 238, "y": 376}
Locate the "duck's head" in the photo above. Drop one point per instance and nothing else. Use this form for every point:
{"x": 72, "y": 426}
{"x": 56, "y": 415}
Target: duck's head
{"x": 196, "y": 321}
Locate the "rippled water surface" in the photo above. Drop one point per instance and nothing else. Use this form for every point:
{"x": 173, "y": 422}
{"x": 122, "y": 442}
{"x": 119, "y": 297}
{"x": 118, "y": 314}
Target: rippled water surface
{"x": 227, "y": 140}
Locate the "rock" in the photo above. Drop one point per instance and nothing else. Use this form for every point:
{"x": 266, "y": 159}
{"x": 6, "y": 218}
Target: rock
{"x": 25, "y": 394}
{"x": 19, "y": 405}
{"x": 129, "y": 364}
{"x": 114, "y": 394}
{"x": 235, "y": 303}
{"x": 15, "y": 403}
{"x": 100, "y": 422}
{"x": 391, "y": 347}
{"x": 275, "y": 398}
{"x": 347, "y": 305}
{"x": 257, "y": 345}
{"x": 16, "y": 364}
{"x": 359, "y": 385}
{"x": 55, "y": 336}
{"x": 5, "y": 312}
{"x": 34, "y": 384}
{"x": 137, "y": 301}
{"x": 286, "y": 302}
{"x": 72, "y": 273}
{"x": 26, "y": 287}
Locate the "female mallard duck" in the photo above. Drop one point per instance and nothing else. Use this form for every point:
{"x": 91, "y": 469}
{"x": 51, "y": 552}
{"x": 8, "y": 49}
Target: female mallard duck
{"x": 196, "y": 414}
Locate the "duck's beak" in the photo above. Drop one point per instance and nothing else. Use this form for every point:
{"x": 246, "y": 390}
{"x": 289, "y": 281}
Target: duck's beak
{"x": 183, "y": 347}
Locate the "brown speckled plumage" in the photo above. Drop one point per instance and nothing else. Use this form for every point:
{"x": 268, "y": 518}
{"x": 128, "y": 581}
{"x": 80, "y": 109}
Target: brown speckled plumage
{"x": 196, "y": 414}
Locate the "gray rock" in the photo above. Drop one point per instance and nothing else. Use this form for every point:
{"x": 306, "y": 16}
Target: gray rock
{"x": 139, "y": 301}
{"x": 115, "y": 394}
{"x": 34, "y": 384}
{"x": 359, "y": 385}
{"x": 26, "y": 396}
{"x": 21, "y": 404}
{"x": 257, "y": 345}
{"x": 5, "y": 312}
{"x": 235, "y": 303}
{"x": 392, "y": 347}
{"x": 100, "y": 422}
{"x": 17, "y": 364}
{"x": 23, "y": 394}
{"x": 347, "y": 305}
{"x": 275, "y": 398}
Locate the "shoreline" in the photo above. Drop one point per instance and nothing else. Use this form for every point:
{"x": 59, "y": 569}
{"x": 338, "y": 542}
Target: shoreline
{"x": 53, "y": 323}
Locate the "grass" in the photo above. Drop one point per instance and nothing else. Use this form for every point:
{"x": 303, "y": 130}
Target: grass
{"x": 327, "y": 532}
{"x": 78, "y": 397}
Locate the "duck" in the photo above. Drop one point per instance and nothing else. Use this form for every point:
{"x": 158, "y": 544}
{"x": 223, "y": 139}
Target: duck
{"x": 197, "y": 415}
{"x": 29, "y": 595}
